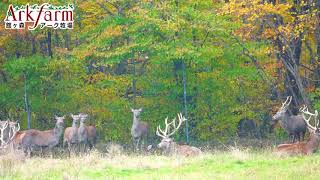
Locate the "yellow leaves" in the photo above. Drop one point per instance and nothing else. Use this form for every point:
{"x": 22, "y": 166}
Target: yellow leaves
{"x": 111, "y": 32}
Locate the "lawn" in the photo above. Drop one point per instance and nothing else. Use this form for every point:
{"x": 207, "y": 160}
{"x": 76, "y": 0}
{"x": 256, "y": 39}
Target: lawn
{"x": 232, "y": 164}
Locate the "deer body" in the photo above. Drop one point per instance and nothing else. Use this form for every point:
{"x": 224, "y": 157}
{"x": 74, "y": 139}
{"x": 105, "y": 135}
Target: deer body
{"x": 49, "y": 138}
{"x": 309, "y": 146}
{"x": 71, "y": 134}
{"x": 92, "y": 135}
{"x": 172, "y": 148}
{"x": 295, "y": 126}
{"x": 139, "y": 128}
{"x": 82, "y": 134}
{"x": 305, "y": 148}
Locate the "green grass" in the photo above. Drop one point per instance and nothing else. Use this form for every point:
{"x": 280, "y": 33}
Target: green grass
{"x": 234, "y": 164}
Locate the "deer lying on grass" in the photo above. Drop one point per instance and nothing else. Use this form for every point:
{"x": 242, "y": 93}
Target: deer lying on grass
{"x": 82, "y": 133}
{"x": 169, "y": 146}
{"x": 295, "y": 126}
{"x": 139, "y": 129}
{"x": 36, "y": 138}
{"x": 70, "y": 137}
{"x": 309, "y": 146}
{"x": 8, "y": 130}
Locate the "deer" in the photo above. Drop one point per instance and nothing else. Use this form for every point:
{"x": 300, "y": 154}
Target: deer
{"x": 36, "y": 138}
{"x": 70, "y": 137}
{"x": 139, "y": 129}
{"x": 92, "y": 136}
{"x": 82, "y": 133}
{"x": 308, "y": 147}
{"x": 295, "y": 126}
{"x": 169, "y": 146}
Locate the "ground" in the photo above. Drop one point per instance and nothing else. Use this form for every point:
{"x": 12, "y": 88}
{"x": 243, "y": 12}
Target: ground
{"x": 232, "y": 164}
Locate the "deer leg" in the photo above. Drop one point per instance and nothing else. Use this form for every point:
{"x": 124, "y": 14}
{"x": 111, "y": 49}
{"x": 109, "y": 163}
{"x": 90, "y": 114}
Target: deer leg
{"x": 137, "y": 145}
{"x": 69, "y": 149}
{"x": 29, "y": 152}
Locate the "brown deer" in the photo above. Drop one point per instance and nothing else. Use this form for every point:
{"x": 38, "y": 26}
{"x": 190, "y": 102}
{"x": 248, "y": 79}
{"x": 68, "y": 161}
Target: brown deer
{"x": 309, "y": 146}
{"x": 70, "y": 137}
{"x": 169, "y": 146}
{"x": 36, "y": 138}
{"x": 82, "y": 133}
{"x": 139, "y": 129}
{"x": 295, "y": 126}
{"x": 92, "y": 135}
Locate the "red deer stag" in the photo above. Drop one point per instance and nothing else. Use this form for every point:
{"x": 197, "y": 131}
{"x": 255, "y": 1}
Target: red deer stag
{"x": 36, "y": 138}
{"x": 295, "y": 126}
{"x": 70, "y": 137}
{"x": 309, "y": 146}
{"x": 139, "y": 129}
{"x": 169, "y": 146}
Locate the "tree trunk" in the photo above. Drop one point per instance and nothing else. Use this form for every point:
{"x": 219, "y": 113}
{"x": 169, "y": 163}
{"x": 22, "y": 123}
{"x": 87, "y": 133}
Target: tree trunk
{"x": 49, "y": 44}
{"x": 33, "y": 43}
{"x": 134, "y": 82}
{"x": 317, "y": 36}
{"x": 26, "y": 101}
{"x": 66, "y": 41}
{"x": 185, "y": 99}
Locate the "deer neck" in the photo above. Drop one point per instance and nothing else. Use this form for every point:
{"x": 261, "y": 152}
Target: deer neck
{"x": 284, "y": 119}
{"x": 81, "y": 125}
{"x": 136, "y": 121}
{"x": 58, "y": 130}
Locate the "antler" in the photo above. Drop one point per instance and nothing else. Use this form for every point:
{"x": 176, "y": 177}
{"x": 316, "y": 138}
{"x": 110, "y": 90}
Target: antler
{"x": 14, "y": 127}
{"x": 304, "y": 111}
{"x": 286, "y": 103}
{"x": 164, "y": 133}
{"x": 3, "y": 126}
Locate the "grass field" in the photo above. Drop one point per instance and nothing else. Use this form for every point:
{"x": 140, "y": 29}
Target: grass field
{"x": 232, "y": 164}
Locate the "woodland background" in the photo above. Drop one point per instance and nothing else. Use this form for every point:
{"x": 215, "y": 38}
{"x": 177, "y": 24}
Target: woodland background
{"x": 235, "y": 60}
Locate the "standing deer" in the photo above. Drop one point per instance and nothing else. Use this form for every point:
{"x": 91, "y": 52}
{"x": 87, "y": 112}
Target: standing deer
{"x": 82, "y": 134}
{"x": 139, "y": 129}
{"x": 169, "y": 146}
{"x": 309, "y": 146}
{"x": 92, "y": 136}
{"x": 295, "y": 126}
{"x": 36, "y": 138}
{"x": 71, "y": 134}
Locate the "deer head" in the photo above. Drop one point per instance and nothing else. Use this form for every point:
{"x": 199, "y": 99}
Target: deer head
{"x": 83, "y": 117}
{"x": 136, "y": 112}
{"x": 165, "y": 134}
{"x": 280, "y": 113}
{"x": 59, "y": 120}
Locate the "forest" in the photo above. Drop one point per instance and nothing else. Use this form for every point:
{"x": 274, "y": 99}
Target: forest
{"x": 218, "y": 62}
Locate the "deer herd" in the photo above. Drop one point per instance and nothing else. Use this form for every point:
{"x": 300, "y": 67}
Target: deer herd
{"x": 80, "y": 137}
